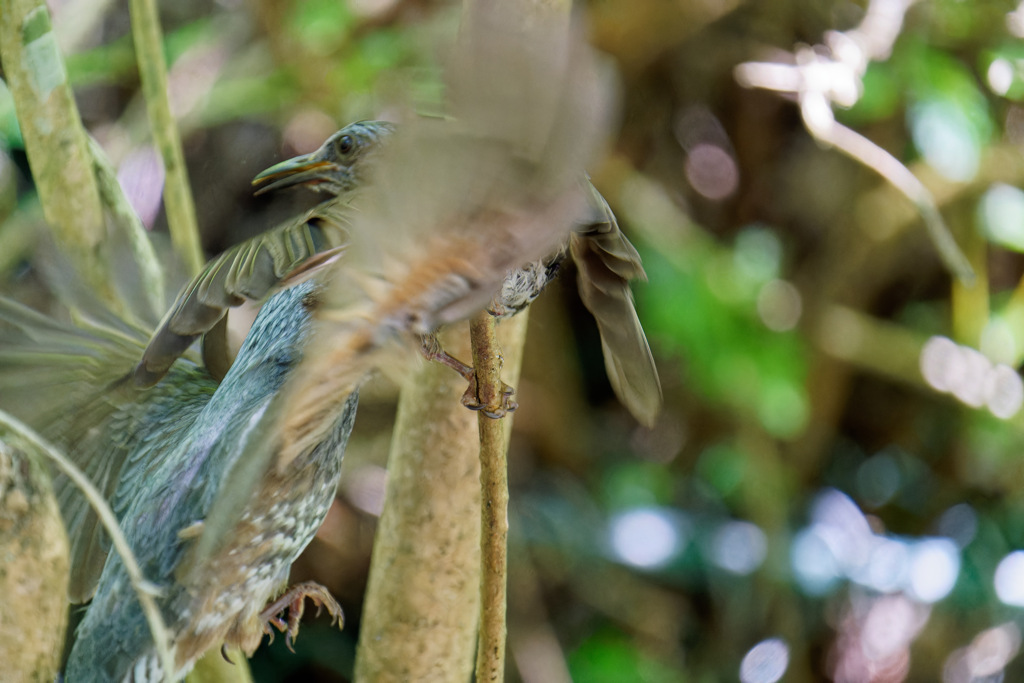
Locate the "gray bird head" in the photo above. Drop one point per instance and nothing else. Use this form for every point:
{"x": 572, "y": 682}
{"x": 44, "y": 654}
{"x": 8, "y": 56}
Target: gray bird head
{"x": 336, "y": 167}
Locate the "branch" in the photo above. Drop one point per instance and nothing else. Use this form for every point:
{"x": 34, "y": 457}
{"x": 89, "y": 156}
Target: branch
{"x": 490, "y": 658}
{"x": 181, "y": 211}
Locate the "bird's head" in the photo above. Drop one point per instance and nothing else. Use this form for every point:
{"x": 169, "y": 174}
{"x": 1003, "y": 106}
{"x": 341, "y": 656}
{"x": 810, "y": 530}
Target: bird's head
{"x": 335, "y": 168}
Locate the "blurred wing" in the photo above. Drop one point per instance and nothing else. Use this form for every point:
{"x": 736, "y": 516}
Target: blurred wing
{"x": 64, "y": 381}
{"x": 607, "y": 262}
{"x": 453, "y": 204}
{"x": 247, "y": 271}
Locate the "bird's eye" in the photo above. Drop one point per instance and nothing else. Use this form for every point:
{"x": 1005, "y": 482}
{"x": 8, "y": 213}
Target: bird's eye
{"x": 346, "y": 144}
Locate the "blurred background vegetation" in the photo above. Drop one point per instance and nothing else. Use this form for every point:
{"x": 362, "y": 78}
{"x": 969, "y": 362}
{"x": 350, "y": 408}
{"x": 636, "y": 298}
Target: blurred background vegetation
{"x": 834, "y": 488}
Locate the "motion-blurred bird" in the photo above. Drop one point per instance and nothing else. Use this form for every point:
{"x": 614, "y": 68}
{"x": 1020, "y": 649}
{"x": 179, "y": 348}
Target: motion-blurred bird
{"x": 250, "y": 269}
{"x": 451, "y": 206}
{"x": 172, "y": 449}
{"x": 604, "y": 257}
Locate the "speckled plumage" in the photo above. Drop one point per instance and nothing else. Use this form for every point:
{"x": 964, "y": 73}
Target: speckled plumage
{"x": 170, "y": 481}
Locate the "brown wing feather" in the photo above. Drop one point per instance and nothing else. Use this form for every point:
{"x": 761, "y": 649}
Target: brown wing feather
{"x": 607, "y": 262}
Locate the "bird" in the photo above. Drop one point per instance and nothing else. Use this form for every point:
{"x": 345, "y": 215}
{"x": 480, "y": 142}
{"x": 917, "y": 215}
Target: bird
{"x": 605, "y": 259}
{"x": 250, "y": 269}
{"x": 448, "y": 208}
{"x": 171, "y": 450}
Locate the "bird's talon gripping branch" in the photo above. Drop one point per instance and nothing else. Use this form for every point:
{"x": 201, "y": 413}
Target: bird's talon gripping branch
{"x": 294, "y": 600}
{"x": 495, "y": 411}
{"x": 471, "y": 399}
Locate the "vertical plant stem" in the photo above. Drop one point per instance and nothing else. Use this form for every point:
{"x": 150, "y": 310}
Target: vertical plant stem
{"x": 181, "y": 212}
{"x": 494, "y": 435}
{"x": 55, "y": 140}
{"x": 144, "y": 590}
{"x": 970, "y": 301}
{"x": 34, "y": 580}
{"x": 422, "y": 601}
{"x": 490, "y": 653}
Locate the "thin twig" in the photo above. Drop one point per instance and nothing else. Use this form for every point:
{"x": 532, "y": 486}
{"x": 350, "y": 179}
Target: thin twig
{"x": 859, "y": 148}
{"x": 143, "y": 588}
{"x": 181, "y": 211}
{"x": 490, "y": 660}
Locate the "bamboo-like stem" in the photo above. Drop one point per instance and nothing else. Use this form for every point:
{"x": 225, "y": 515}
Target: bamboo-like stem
{"x": 55, "y": 140}
{"x": 490, "y": 657}
{"x": 144, "y": 590}
{"x": 34, "y": 580}
{"x": 420, "y": 613}
{"x": 181, "y": 211}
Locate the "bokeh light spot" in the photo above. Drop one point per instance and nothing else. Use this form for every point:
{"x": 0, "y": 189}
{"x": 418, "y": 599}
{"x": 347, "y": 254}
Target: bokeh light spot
{"x": 934, "y": 568}
{"x": 766, "y": 662}
{"x": 1009, "y": 579}
{"x": 1004, "y": 391}
{"x": 1001, "y": 214}
{"x": 782, "y": 408}
{"x": 757, "y": 255}
{"x": 814, "y": 564}
{"x": 711, "y": 171}
{"x": 943, "y": 134}
{"x": 646, "y": 537}
{"x": 1000, "y": 76}
{"x": 739, "y": 547}
{"x": 937, "y": 355}
{"x": 992, "y": 649}
{"x": 971, "y": 377}
{"x": 959, "y": 523}
{"x": 779, "y": 304}
{"x": 878, "y": 479}
{"x": 886, "y": 567}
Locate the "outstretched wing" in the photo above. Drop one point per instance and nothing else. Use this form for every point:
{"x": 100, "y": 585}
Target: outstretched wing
{"x": 247, "y": 271}
{"x": 64, "y": 380}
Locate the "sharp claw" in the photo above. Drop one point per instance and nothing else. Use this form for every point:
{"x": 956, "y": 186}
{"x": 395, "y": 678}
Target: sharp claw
{"x": 224, "y": 654}
{"x": 293, "y": 601}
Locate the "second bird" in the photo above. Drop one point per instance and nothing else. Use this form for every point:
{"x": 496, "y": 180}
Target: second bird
{"x": 606, "y": 261}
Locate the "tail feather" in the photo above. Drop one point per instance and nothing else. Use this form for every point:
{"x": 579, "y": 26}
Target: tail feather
{"x": 607, "y": 262}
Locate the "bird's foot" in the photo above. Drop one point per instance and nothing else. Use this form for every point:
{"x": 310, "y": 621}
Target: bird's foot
{"x": 497, "y": 408}
{"x": 294, "y": 600}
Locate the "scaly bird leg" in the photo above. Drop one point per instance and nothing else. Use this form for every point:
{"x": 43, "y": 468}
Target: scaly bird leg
{"x": 433, "y": 351}
{"x": 294, "y": 600}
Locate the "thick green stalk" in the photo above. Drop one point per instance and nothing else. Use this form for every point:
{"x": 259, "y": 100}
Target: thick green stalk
{"x": 181, "y": 211}
{"x": 422, "y": 601}
{"x": 34, "y": 579}
{"x": 55, "y": 140}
